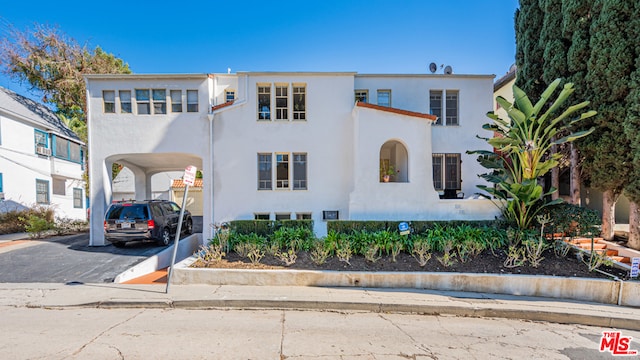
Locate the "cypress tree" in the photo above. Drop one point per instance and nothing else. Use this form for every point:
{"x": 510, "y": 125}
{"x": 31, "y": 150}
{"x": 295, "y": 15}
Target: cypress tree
{"x": 529, "y": 56}
{"x": 576, "y": 21}
{"x": 631, "y": 127}
{"x": 555, "y": 62}
{"x": 607, "y": 152}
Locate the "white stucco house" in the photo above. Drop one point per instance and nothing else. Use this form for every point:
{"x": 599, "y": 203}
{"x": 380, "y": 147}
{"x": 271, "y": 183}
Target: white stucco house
{"x": 41, "y": 160}
{"x": 296, "y": 145}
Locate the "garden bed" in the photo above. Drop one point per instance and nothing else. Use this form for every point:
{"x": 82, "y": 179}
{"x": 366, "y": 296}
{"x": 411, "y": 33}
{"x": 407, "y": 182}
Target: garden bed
{"x": 487, "y": 262}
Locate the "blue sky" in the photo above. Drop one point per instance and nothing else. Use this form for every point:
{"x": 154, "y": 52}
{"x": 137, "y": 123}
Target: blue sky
{"x": 403, "y": 36}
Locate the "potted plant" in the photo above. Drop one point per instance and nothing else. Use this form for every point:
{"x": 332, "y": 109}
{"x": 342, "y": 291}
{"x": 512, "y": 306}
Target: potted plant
{"x": 387, "y": 172}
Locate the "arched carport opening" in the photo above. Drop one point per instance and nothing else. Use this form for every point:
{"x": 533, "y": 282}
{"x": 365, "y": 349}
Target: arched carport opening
{"x": 394, "y": 162}
{"x": 143, "y": 167}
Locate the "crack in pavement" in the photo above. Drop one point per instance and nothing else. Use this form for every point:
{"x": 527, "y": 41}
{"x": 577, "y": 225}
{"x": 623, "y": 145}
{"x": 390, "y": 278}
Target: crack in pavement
{"x": 107, "y": 330}
{"x": 427, "y": 351}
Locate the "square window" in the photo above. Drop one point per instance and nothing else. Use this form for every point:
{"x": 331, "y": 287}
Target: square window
{"x": 176, "y": 101}
{"x": 303, "y": 216}
{"x": 229, "y": 95}
{"x": 159, "y": 101}
{"x": 125, "y": 101}
{"x": 42, "y": 192}
{"x": 58, "y": 186}
{"x": 142, "y": 102}
{"x": 62, "y": 147}
{"x": 109, "y": 101}
{"x": 362, "y": 96}
{"x": 192, "y": 100}
{"x": 384, "y": 98}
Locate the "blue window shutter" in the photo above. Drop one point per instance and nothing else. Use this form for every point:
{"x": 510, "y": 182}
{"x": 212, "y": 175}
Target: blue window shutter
{"x": 1, "y": 189}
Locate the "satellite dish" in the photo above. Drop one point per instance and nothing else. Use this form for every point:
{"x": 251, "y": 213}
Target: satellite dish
{"x": 448, "y": 70}
{"x": 433, "y": 67}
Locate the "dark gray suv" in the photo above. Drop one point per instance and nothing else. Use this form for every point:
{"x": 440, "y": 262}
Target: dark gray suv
{"x": 147, "y": 220}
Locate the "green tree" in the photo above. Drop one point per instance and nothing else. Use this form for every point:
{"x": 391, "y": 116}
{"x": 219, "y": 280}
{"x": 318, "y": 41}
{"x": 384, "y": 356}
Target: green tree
{"x": 529, "y": 53}
{"x": 631, "y": 126}
{"x": 555, "y": 63}
{"x": 53, "y": 64}
{"x": 608, "y": 153}
{"x": 576, "y": 21}
{"x": 523, "y": 144}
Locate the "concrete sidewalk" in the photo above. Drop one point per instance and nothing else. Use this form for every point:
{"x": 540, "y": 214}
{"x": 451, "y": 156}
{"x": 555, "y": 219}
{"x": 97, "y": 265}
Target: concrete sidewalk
{"x": 428, "y": 302}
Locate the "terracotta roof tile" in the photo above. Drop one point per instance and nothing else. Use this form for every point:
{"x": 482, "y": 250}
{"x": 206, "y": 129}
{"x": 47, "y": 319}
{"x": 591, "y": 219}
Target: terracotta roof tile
{"x": 397, "y": 111}
{"x": 179, "y": 184}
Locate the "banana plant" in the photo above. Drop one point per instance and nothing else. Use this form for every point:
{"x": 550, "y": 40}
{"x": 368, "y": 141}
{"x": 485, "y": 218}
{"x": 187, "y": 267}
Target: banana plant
{"x": 522, "y": 146}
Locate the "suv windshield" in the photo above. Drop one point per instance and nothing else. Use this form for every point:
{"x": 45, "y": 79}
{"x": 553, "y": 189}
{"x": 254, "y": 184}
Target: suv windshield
{"x": 128, "y": 212}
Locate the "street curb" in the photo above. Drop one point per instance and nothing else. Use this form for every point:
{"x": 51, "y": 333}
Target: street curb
{"x": 373, "y": 307}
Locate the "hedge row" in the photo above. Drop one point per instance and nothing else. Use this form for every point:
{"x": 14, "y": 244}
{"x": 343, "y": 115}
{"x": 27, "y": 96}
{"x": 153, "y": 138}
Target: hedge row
{"x": 418, "y": 227}
{"x": 267, "y": 227}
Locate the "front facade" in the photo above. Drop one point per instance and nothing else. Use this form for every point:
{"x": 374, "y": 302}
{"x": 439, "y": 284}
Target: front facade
{"x": 296, "y": 145}
{"x": 41, "y": 160}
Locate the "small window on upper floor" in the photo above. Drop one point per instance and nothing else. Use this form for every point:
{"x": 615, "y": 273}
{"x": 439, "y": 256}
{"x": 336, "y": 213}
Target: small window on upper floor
{"x": 264, "y": 102}
{"x": 299, "y": 102}
{"x": 159, "y": 101}
{"x": 143, "y": 104}
{"x": 41, "y": 140}
{"x": 109, "y": 101}
{"x": 384, "y": 98}
{"x": 229, "y": 95}
{"x": 282, "y": 102}
{"x": 445, "y": 108}
{"x": 451, "y": 115}
{"x": 362, "y": 96}
{"x": 192, "y": 101}
{"x": 176, "y": 101}
{"x": 125, "y": 101}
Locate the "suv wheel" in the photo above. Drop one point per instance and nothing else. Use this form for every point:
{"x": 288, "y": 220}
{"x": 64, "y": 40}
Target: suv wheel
{"x": 165, "y": 237}
{"x": 189, "y": 228}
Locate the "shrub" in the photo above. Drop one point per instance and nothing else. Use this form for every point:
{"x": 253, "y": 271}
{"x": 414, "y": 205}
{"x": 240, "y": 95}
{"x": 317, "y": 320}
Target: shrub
{"x": 36, "y": 226}
{"x": 572, "y": 220}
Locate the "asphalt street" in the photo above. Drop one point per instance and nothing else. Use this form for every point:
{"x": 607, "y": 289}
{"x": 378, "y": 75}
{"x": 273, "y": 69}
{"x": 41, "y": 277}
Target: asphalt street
{"x": 90, "y": 333}
{"x": 69, "y": 259}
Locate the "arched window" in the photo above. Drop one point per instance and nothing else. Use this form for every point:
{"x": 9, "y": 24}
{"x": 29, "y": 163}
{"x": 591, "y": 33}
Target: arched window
{"x": 394, "y": 162}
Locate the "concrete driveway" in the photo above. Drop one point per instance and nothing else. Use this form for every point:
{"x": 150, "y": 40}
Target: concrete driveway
{"x": 67, "y": 259}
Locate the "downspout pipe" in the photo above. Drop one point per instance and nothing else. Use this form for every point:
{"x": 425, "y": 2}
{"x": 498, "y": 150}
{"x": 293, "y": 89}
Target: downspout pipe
{"x": 211, "y": 116}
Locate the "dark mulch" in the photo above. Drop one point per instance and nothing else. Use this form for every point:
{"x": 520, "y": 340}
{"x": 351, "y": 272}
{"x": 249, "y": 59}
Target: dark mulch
{"x": 485, "y": 263}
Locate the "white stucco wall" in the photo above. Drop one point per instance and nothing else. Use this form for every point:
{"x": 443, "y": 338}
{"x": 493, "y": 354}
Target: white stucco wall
{"x": 147, "y": 144}
{"x": 21, "y": 167}
{"x": 411, "y": 92}
{"x": 325, "y": 137}
{"x": 342, "y": 144}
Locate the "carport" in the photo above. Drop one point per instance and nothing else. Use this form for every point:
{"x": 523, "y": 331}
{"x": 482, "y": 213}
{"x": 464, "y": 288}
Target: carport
{"x": 143, "y": 166}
